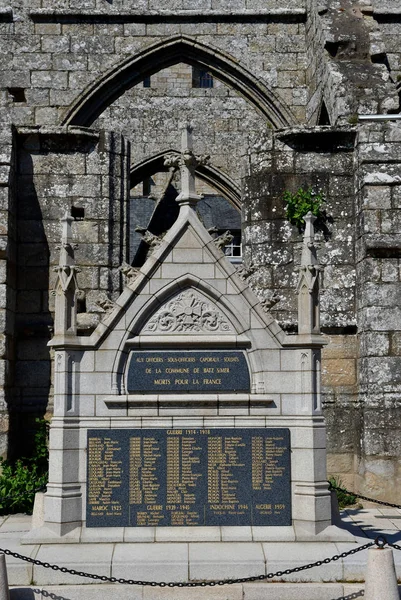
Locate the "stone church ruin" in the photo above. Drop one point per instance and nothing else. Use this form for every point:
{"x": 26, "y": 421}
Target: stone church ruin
{"x": 279, "y": 96}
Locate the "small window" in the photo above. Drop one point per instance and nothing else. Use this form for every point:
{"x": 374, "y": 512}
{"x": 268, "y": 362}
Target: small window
{"x": 146, "y": 82}
{"x": 201, "y": 79}
{"x": 233, "y": 250}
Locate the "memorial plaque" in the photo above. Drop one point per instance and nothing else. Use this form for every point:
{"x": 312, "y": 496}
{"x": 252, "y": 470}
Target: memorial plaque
{"x": 173, "y": 477}
{"x": 188, "y": 371}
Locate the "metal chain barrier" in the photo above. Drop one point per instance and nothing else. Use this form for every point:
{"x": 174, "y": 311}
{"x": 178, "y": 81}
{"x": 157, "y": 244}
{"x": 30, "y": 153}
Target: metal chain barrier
{"x": 334, "y": 487}
{"x": 187, "y": 584}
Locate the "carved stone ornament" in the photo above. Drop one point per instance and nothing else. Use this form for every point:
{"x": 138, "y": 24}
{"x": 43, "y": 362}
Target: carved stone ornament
{"x": 149, "y": 238}
{"x": 189, "y": 312}
{"x": 129, "y": 272}
{"x": 270, "y": 301}
{"x": 105, "y": 304}
{"x": 223, "y": 240}
{"x": 245, "y": 272}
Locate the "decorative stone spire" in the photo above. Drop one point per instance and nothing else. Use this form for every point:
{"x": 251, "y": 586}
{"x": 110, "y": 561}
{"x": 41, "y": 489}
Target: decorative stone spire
{"x": 187, "y": 162}
{"x": 66, "y": 286}
{"x": 309, "y": 282}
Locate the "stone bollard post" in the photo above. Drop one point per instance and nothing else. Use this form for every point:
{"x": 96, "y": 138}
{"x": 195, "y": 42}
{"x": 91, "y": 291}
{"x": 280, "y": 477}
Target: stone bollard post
{"x": 4, "y": 591}
{"x": 381, "y": 578}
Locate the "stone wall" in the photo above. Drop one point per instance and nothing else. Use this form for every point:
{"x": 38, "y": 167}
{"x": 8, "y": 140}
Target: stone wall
{"x": 221, "y": 118}
{"x": 322, "y": 159}
{"x": 387, "y": 14}
{"x": 347, "y": 63}
{"x": 360, "y": 303}
{"x": 63, "y": 170}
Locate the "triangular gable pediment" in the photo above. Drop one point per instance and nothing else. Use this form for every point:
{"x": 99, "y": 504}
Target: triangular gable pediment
{"x": 187, "y": 258}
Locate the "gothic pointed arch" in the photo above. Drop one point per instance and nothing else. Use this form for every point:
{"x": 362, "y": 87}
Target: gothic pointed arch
{"x": 112, "y": 84}
{"x": 208, "y": 173}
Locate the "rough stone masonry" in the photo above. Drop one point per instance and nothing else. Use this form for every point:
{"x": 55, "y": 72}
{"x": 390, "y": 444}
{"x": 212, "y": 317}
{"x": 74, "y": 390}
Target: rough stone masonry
{"x": 281, "y": 96}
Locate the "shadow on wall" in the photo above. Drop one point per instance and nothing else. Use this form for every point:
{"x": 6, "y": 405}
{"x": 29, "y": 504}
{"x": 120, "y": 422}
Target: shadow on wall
{"x": 30, "y": 392}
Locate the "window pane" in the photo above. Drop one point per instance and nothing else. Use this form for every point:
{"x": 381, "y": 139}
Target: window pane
{"x": 201, "y": 78}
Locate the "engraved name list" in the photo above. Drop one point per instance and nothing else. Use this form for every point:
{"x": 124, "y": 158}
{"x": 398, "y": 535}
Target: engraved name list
{"x": 173, "y": 477}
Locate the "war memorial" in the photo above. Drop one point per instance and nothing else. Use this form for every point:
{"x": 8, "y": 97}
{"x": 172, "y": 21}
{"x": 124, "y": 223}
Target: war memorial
{"x": 206, "y": 359}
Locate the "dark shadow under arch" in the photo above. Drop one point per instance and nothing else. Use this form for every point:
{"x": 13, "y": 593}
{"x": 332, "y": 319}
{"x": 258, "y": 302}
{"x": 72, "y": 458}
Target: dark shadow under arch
{"x": 209, "y": 174}
{"x": 111, "y": 85}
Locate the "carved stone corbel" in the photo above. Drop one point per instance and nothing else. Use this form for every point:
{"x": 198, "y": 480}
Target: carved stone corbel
{"x": 223, "y": 240}
{"x": 130, "y": 273}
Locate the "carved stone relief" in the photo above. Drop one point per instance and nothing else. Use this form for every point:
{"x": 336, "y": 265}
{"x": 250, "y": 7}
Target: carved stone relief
{"x": 188, "y": 312}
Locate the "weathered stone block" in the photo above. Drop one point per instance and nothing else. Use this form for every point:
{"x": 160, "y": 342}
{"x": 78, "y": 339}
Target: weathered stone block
{"x": 338, "y": 372}
{"x": 45, "y": 79}
{"x": 377, "y": 196}
{"x": 341, "y": 347}
{"x": 340, "y": 463}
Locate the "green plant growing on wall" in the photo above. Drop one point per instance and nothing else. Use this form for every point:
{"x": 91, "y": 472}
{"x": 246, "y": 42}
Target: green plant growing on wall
{"x": 19, "y": 479}
{"x": 301, "y": 202}
{"x": 343, "y": 498}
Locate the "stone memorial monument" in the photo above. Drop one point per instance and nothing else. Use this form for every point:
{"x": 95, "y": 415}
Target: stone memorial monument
{"x": 188, "y": 414}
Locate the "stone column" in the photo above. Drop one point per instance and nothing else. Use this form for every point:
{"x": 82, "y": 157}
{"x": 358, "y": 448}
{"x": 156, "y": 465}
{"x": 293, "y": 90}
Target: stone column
{"x": 379, "y": 308}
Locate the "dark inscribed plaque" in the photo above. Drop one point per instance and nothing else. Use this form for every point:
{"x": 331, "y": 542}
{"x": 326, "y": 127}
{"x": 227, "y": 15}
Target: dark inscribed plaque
{"x": 168, "y": 477}
{"x": 188, "y": 371}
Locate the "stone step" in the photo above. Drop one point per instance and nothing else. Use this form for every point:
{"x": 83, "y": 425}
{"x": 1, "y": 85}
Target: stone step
{"x": 180, "y": 561}
{"x": 248, "y": 591}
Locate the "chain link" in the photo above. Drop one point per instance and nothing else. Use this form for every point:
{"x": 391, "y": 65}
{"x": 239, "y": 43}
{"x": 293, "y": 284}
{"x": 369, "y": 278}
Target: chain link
{"x": 334, "y": 487}
{"x": 396, "y": 546}
{"x": 186, "y": 584}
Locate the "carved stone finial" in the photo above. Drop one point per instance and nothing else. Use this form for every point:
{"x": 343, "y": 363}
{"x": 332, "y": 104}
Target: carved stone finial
{"x": 66, "y": 285}
{"x": 187, "y": 162}
{"x": 223, "y": 240}
{"x": 309, "y": 256}
{"x": 309, "y": 282}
